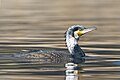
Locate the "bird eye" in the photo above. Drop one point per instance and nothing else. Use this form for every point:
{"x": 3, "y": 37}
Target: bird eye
{"x": 82, "y": 28}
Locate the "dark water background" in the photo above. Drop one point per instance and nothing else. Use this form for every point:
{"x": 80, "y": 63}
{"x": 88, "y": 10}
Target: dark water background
{"x": 36, "y": 24}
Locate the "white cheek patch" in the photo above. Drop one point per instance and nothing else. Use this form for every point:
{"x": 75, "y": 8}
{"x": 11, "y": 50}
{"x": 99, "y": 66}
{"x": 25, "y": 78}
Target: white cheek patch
{"x": 76, "y": 34}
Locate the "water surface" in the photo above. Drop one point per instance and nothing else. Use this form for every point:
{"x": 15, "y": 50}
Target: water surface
{"x": 41, "y": 24}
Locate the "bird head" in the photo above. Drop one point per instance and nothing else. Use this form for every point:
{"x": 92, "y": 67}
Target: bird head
{"x": 77, "y": 31}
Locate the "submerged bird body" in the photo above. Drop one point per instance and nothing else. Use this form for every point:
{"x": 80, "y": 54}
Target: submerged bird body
{"x": 43, "y": 56}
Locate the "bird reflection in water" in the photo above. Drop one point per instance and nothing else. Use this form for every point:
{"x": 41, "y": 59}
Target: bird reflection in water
{"x": 72, "y": 75}
{"x": 73, "y": 71}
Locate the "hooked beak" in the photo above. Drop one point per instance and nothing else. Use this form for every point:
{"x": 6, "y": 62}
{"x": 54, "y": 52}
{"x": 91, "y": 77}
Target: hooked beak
{"x": 86, "y": 30}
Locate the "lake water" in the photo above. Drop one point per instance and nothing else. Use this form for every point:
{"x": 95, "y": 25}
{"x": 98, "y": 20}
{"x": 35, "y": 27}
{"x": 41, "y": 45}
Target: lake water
{"x": 41, "y": 24}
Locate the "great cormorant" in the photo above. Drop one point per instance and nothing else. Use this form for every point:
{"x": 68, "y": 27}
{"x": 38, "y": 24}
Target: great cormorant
{"x": 75, "y": 53}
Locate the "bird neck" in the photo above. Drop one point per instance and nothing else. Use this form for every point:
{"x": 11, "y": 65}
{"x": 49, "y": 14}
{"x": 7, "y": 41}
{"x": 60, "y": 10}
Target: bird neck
{"x": 71, "y": 43}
